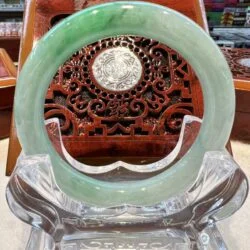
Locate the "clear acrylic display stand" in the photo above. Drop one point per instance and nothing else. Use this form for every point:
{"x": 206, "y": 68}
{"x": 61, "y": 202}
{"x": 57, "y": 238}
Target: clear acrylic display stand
{"x": 186, "y": 221}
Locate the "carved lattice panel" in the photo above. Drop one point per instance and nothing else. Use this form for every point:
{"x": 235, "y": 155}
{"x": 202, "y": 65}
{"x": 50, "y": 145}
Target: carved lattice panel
{"x": 154, "y": 106}
{"x": 152, "y": 109}
{"x": 239, "y": 62}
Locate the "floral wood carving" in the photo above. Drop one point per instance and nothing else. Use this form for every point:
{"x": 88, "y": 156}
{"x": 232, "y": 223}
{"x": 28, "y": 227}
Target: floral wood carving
{"x": 155, "y": 106}
{"x": 239, "y": 62}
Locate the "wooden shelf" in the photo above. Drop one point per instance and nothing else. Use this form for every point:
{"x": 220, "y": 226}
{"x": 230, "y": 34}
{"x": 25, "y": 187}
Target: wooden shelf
{"x": 9, "y": 38}
{"x": 11, "y": 7}
{"x": 227, "y": 27}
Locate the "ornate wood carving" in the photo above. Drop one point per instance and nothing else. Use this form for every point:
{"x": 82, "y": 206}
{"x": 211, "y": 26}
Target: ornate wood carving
{"x": 239, "y": 62}
{"x": 155, "y": 106}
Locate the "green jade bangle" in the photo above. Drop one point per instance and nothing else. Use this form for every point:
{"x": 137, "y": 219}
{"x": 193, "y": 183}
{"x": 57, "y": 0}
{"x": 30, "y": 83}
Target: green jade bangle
{"x": 126, "y": 18}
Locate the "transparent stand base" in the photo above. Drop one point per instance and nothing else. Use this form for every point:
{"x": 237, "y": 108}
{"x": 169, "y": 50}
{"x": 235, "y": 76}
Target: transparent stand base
{"x": 168, "y": 239}
{"x": 186, "y": 221}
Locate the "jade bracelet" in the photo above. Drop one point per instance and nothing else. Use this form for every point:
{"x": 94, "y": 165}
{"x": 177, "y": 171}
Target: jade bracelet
{"x": 126, "y": 18}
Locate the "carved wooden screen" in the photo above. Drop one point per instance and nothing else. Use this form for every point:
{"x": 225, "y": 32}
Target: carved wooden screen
{"x": 239, "y": 62}
{"x": 106, "y": 118}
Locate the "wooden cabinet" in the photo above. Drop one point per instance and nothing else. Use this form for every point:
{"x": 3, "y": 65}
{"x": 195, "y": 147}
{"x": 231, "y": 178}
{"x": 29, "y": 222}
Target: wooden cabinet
{"x": 7, "y": 87}
{"x": 11, "y": 15}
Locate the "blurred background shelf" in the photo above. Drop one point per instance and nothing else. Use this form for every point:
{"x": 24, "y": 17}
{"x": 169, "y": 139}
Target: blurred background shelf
{"x": 12, "y": 5}
{"x": 11, "y": 8}
{"x": 11, "y": 16}
{"x": 229, "y": 22}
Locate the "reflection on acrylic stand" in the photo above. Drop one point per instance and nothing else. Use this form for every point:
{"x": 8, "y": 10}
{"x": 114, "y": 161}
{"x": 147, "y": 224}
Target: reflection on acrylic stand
{"x": 186, "y": 221}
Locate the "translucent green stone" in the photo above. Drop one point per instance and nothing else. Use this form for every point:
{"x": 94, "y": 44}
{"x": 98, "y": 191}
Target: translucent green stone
{"x": 126, "y": 18}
